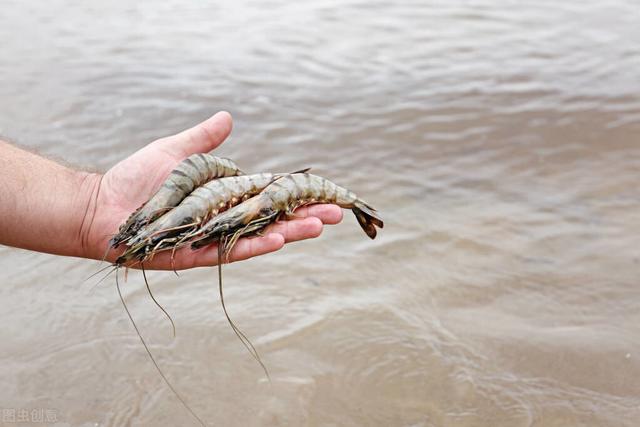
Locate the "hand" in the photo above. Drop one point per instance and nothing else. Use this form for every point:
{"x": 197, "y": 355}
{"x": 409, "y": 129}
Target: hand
{"x": 127, "y": 185}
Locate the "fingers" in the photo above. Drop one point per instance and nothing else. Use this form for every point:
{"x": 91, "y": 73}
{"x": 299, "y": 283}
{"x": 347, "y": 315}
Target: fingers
{"x": 208, "y": 256}
{"x": 274, "y": 239}
{"x": 308, "y": 225}
{"x": 328, "y": 214}
{"x": 297, "y": 229}
{"x": 201, "y": 138}
{"x": 254, "y": 246}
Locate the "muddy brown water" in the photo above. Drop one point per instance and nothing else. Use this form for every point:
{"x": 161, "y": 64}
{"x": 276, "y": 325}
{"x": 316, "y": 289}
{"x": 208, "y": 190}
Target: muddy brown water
{"x": 498, "y": 138}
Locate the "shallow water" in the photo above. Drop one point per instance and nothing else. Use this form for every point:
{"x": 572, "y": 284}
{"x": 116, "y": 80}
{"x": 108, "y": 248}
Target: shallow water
{"x": 498, "y": 138}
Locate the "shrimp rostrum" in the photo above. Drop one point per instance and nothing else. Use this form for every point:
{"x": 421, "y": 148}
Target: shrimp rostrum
{"x": 191, "y": 173}
{"x": 280, "y": 199}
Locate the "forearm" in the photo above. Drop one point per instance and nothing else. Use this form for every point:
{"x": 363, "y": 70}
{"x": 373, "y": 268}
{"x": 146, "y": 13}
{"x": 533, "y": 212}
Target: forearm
{"x": 44, "y": 206}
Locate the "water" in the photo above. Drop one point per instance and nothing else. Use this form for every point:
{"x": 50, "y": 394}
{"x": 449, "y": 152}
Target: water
{"x": 498, "y": 139}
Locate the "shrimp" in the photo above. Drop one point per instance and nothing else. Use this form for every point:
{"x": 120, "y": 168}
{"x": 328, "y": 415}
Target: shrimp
{"x": 281, "y": 198}
{"x": 202, "y": 204}
{"x": 192, "y": 172}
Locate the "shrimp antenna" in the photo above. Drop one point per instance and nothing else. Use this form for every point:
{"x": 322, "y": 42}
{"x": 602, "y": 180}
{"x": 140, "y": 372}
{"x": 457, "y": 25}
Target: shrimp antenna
{"x": 114, "y": 268}
{"x": 242, "y": 337}
{"x": 153, "y": 359}
{"x": 99, "y": 271}
{"x": 146, "y": 282}
{"x": 240, "y": 334}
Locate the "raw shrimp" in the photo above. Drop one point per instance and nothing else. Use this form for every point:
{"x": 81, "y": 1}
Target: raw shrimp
{"x": 202, "y": 204}
{"x": 192, "y": 172}
{"x": 280, "y": 198}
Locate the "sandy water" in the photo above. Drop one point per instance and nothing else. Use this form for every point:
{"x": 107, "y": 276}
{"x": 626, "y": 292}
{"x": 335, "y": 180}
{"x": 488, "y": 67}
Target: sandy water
{"x": 498, "y": 138}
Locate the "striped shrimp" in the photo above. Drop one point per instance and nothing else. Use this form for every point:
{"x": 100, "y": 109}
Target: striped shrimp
{"x": 192, "y": 172}
{"x": 202, "y": 204}
{"x": 281, "y": 198}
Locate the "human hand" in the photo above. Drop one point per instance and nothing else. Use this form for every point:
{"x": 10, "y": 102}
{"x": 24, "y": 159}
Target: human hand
{"x": 128, "y": 184}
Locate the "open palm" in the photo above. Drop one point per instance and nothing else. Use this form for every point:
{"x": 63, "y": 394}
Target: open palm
{"x": 131, "y": 182}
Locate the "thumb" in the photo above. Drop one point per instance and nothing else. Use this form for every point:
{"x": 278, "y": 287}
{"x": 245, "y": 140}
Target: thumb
{"x": 201, "y": 138}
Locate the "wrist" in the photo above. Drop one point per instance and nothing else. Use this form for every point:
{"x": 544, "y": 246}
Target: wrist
{"x": 86, "y": 241}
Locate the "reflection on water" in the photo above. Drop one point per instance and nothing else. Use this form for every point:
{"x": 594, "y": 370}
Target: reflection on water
{"x": 498, "y": 139}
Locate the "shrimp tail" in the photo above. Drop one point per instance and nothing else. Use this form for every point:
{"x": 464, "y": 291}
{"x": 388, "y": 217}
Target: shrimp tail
{"x": 367, "y": 217}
